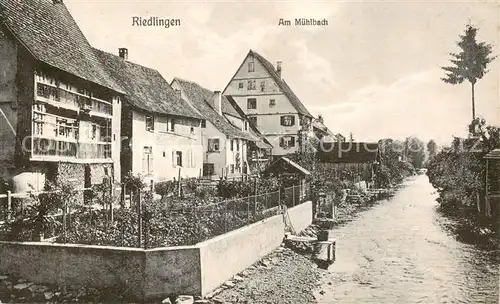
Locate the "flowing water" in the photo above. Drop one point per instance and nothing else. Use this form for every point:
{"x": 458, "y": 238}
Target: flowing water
{"x": 400, "y": 252}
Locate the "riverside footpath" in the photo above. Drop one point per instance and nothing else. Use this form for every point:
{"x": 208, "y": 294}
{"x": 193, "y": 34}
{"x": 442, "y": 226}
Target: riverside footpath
{"x": 398, "y": 251}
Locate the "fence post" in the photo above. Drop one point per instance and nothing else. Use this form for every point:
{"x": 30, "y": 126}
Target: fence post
{"x": 179, "y": 190}
{"x": 279, "y": 197}
{"x": 139, "y": 222}
{"x": 248, "y": 209}
{"x": 9, "y": 205}
{"x": 111, "y": 199}
{"x": 65, "y": 206}
{"x": 225, "y": 216}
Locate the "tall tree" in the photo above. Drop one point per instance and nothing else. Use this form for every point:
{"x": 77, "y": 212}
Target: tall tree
{"x": 431, "y": 148}
{"x": 470, "y": 63}
{"x": 415, "y": 151}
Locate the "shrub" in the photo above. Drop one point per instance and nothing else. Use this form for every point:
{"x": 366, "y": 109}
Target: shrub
{"x": 165, "y": 187}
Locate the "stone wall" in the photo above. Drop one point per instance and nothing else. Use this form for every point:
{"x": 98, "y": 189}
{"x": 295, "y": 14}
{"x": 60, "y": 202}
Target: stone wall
{"x": 153, "y": 273}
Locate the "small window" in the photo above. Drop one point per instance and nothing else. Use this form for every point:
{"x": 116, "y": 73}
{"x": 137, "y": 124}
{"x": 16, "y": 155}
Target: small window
{"x": 251, "y": 103}
{"x": 272, "y": 102}
{"x": 178, "y": 155}
{"x": 240, "y": 85}
{"x": 147, "y": 160}
{"x": 246, "y": 126}
{"x": 213, "y": 145}
{"x": 262, "y": 85}
{"x": 171, "y": 125}
{"x": 251, "y": 66}
{"x": 94, "y": 132}
{"x": 203, "y": 123}
{"x": 192, "y": 130}
{"x": 287, "y": 142}
{"x": 232, "y": 168}
{"x": 232, "y": 144}
{"x": 251, "y": 84}
{"x": 253, "y": 120}
{"x": 237, "y": 145}
{"x": 287, "y": 120}
{"x": 150, "y": 123}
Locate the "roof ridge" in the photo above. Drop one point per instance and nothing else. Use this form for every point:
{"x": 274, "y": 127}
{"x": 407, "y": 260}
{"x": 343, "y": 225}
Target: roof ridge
{"x": 126, "y": 61}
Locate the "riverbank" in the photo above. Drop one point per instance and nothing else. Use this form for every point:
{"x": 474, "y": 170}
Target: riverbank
{"x": 288, "y": 276}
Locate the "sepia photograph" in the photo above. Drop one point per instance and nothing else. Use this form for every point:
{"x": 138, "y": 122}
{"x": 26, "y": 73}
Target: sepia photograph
{"x": 267, "y": 152}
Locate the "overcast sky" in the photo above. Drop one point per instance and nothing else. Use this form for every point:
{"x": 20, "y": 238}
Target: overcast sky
{"x": 373, "y": 71}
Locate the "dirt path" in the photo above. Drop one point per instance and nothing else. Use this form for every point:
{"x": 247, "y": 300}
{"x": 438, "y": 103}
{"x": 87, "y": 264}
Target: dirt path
{"x": 282, "y": 277}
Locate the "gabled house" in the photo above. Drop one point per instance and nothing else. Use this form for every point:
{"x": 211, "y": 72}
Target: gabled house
{"x": 59, "y": 108}
{"x": 270, "y": 104}
{"x": 225, "y": 133}
{"x": 161, "y": 136}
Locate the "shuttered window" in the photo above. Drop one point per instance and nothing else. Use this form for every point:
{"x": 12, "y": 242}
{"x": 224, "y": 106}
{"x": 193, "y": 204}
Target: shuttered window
{"x": 287, "y": 120}
{"x": 287, "y": 142}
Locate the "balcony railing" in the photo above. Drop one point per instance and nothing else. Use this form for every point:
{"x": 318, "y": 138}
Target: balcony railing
{"x": 47, "y": 147}
{"x": 65, "y": 98}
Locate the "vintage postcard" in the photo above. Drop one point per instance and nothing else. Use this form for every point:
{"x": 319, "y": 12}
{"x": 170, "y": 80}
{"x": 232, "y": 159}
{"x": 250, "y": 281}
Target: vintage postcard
{"x": 270, "y": 152}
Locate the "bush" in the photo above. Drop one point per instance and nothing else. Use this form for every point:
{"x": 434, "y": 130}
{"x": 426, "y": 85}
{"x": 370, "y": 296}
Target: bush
{"x": 164, "y": 188}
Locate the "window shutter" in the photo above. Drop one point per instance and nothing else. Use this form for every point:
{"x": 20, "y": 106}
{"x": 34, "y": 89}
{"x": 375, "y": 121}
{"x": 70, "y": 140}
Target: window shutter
{"x": 191, "y": 159}
{"x": 282, "y": 142}
{"x": 293, "y": 120}
{"x": 174, "y": 160}
{"x": 144, "y": 162}
{"x": 292, "y": 141}
{"x": 282, "y": 120}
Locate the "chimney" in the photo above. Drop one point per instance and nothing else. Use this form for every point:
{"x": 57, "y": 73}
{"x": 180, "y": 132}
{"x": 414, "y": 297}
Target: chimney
{"x": 123, "y": 53}
{"x": 320, "y": 118}
{"x": 278, "y": 68}
{"x": 217, "y": 102}
{"x": 178, "y": 92}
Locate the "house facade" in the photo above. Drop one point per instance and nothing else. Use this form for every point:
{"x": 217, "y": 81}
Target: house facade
{"x": 161, "y": 138}
{"x": 59, "y": 109}
{"x": 225, "y": 133}
{"x": 270, "y": 104}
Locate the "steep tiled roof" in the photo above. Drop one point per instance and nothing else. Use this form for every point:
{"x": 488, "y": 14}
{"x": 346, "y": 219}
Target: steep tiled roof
{"x": 227, "y": 107}
{"x": 348, "y": 152}
{"x": 284, "y": 164}
{"x": 52, "y": 36}
{"x": 321, "y": 126}
{"x": 298, "y": 105}
{"x": 145, "y": 88}
{"x": 202, "y": 99}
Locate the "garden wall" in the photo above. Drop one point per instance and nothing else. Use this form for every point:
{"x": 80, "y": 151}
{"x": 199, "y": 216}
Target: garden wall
{"x": 152, "y": 273}
{"x": 301, "y": 216}
{"x": 226, "y": 255}
{"x": 75, "y": 265}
